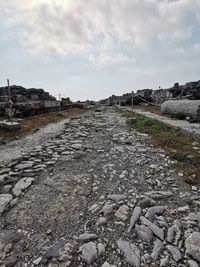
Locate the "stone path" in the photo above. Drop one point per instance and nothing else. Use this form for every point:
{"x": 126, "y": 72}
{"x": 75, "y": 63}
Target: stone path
{"x": 15, "y": 149}
{"x": 193, "y": 128}
{"x": 96, "y": 195}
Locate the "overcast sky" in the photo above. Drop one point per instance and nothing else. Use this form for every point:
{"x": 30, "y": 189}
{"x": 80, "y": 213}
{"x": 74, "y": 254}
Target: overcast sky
{"x": 95, "y": 48}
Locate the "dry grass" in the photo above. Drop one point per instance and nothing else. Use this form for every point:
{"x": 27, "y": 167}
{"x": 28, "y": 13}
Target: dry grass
{"x": 32, "y": 124}
{"x": 179, "y": 146}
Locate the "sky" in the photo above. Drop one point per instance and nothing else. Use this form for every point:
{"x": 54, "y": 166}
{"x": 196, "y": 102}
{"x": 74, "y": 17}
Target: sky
{"x": 91, "y": 49}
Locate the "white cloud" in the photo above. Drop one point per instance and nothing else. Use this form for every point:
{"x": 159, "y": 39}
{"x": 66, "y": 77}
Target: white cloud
{"x": 110, "y": 60}
{"x": 94, "y": 27}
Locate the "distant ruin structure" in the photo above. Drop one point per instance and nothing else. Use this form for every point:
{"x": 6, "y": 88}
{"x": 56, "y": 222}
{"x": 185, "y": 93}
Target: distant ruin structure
{"x": 190, "y": 91}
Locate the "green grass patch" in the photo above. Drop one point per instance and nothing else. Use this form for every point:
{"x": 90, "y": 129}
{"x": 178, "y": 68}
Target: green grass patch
{"x": 178, "y": 145}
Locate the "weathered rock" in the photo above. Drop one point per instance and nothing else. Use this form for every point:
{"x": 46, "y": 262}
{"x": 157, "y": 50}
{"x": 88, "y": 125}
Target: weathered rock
{"x": 87, "y": 237}
{"x": 192, "y": 244}
{"x": 165, "y": 261}
{"x": 157, "y": 210}
{"x": 107, "y": 209}
{"x": 144, "y": 233}
{"x": 101, "y": 249}
{"x": 101, "y": 221}
{"x": 154, "y": 228}
{"x": 130, "y": 251}
{"x": 147, "y": 202}
{"x": 122, "y": 213}
{"x": 158, "y": 246}
{"x": 175, "y": 252}
{"x": 24, "y": 166}
{"x": 23, "y": 184}
{"x": 116, "y": 197}
{"x": 134, "y": 218}
{"x": 192, "y": 263}
{"x": 106, "y": 264}
{"x": 160, "y": 194}
{"x": 89, "y": 252}
{"x": 4, "y": 201}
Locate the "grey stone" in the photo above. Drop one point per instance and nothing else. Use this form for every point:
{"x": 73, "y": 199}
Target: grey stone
{"x": 157, "y": 210}
{"x": 165, "y": 261}
{"x": 153, "y": 227}
{"x": 157, "y": 247}
{"x": 147, "y": 202}
{"x": 159, "y": 194}
{"x": 192, "y": 244}
{"x": 89, "y": 252}
{"x": 192, "y": 263}
{"x": 5, "y": 170}
{"x": 134, "y": 218}
{"x": 24, "y": 166}
{"x": 144, "y": 233}
{"x": 122, "y": 212}
{"x": 116, "y": 197}
{"x": 87, "y": 237}
{"x": 4, "y": 201}
{"x": 106, "y": 264}
{"x": 175, "y": 252}
{"x": 107, "y": 209}
{"x": 101, "y": 249}
{"x": 23, "y": 184}
{"x": 130, "y": 251}
{"x": 101, "y": 221}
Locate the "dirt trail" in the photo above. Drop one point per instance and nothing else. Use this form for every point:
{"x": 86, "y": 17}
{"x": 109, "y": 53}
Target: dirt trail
{"x": 97, "y": 195}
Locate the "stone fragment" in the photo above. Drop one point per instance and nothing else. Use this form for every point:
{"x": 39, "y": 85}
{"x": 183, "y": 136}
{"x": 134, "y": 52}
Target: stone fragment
{"x": 107, "y": 209}
{"x": 89, "y": 252}
{"x": 87, "y": 237}
{"x": 130, "y": 251}
{"x": 147, "y": 202}
{"x": 101, "y": 249}
{"x": 153, "y": 211}
{"x": 106, "y": 264}
{"x": 192, "y": 244}
{"x": 153, "y": 227}
{"x": 159, "y": 194}
{"x": 192, "y": 263}
{"x": 134, "y": 218}
{"x": 4, "y": 201}
{"x": 24, "y": 166}
{"x": 116, "y": 197}
{"x": 23, "y": 184}
{"x": 175, "y": 252}
{"x": 157, "y": 247}
{"x": 5, "y": 170}
{"x": 165, "y": 261}
{"x": 101, "y": 221}
{"x": 122, "y": 212}
{"x": 144, "y": 233}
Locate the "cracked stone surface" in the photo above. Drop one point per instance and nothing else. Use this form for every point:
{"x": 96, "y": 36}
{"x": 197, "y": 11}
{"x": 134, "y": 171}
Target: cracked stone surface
{"x": 101, "y": 196}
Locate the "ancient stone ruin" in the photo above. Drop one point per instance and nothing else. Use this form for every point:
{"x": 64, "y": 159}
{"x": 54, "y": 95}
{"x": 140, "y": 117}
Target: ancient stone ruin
{"x": 26, "y": 102}
{"x": 189, "y": 91}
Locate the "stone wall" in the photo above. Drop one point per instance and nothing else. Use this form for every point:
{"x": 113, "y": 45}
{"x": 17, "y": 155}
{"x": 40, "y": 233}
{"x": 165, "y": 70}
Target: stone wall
{"x": 26, "y": 102}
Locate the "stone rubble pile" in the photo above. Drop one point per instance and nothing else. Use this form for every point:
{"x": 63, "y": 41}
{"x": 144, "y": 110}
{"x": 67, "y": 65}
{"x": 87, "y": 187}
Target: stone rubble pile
{"x": 138, "y": 211}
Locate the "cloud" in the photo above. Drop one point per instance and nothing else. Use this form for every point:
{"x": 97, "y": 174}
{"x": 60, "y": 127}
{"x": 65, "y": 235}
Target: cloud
{"x": 104, "y": 59}
{"x": 96, "y": 27}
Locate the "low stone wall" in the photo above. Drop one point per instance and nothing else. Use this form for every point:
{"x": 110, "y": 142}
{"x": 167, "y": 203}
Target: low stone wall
{"x": 182, "y": 108}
